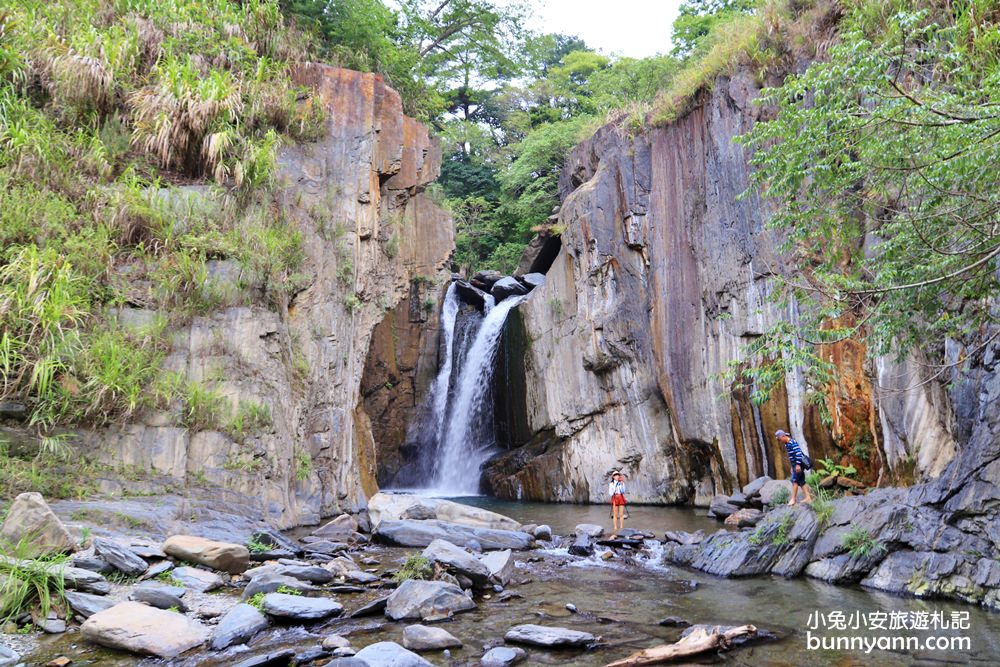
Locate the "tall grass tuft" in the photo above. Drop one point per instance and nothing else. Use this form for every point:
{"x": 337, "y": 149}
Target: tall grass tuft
{"x": 28, "y": 584}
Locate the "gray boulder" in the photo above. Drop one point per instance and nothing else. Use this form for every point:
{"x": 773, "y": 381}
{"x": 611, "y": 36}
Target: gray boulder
{"x": 224, "y": 556}
{"x": 270, "y": 582}
{"x": 30, "y": 516}
{"x": 8, "y": 657}
{"x": 85, "y": 580}
{"x": 159, "y": 595}
{"x": 137, "y": 628}
{"x": 92, "y": 564}
{"x": 753, "y": 488}
{"x": 543, "y": 532}
{"x": 772, "y": 488}
{"x": 548, "y": 637}
{"x": 423, "y": 638}
{"x": 120, "y": 557}
{"x": 299, "y": 608}
{"x": 459, "y": 562}
{"x": 416, "y": 599}
{"x": 86, "y": 605}
{"x": 390, "y": 654}
{"x": 500, "y": 565}
{"x": 503, "y": 656}
{"x": 590, "y": 530}
{"x": 720, "y": 507}
{"x": 422, "y": 533}
{"x": 197, "y": 579}
{"x": 583, "y": 545}
{"x": 238, "y": 626}
{"x": 506, "y": 287}
{"x": 744, "y": 518}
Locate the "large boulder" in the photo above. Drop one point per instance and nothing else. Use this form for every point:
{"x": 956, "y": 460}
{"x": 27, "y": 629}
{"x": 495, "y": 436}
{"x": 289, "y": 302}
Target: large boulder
{"x": 238, "y": 626}
{"x": 753, "y": 488}
{"x": 392, "y": 507}
{"x": 458, "y": 561}
{"x": 389, "y": 654}
{"x": 424, "y": 638}
{"x": 744, "y": 518}
{"x": 86, "y": 604}
{"x": 339, "y": 529}
{"x": 540, "y": 635}
{"x": 197, "y": 579}
{"x": 720, "y": 507}
{"x": 224, "y": 556}
{"x": 422, "y": 533}
{"x": 416, "y": 599}
{"x": 507, "y": 287}
{"x": 137, "y": 628}
{"x": 772, "y": 488}
{"x": 270, "y": 582}
{"x": 590, "y": 530}
{"x": 159, "y": 595}
{"x": 503, "y": 656}
{"x": 30, "y": 518}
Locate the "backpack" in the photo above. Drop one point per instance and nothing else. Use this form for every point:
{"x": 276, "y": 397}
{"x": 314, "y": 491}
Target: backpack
{"x": 807, "y": 463}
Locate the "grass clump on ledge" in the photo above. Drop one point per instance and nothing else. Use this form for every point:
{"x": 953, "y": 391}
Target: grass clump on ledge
{"x": 28, "y": 584}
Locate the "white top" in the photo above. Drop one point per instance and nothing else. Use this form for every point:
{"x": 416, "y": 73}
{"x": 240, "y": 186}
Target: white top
{"x": 616, "y": 487}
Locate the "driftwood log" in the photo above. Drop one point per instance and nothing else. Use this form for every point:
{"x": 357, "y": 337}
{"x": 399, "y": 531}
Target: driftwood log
{"x": 697, "y": 642}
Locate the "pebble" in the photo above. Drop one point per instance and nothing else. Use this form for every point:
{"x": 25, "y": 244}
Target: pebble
{"x": 571, "y": 607}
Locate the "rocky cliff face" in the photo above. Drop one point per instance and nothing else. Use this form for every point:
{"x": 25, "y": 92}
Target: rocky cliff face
{"x": 664, "y": 274}
{"x": 370, "y": 236}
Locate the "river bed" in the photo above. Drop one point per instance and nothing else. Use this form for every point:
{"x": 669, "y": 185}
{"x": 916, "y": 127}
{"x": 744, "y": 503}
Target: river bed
{"x": 621, "y": 601}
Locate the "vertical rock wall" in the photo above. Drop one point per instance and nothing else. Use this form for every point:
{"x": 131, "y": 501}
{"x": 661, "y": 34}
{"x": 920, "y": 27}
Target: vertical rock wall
{"x": 369, "y": 235}
{"x": 664, "y": 275}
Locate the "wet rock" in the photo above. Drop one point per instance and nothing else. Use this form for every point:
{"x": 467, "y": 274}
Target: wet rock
{"x": 583, "y": 545}
{"x": 159, "y": 595}
{"x": 224, "y": 556}
{"x": 310, "y": 655}
{"x": 500, "y": 565}
{"x": 137, "y": 628}
{"x": 86, "y": 605}
{"x": 533, "y": 280}
{"x": 543, "y": 532}
{"x": 52, "y": 626}
{"x": 373, "y": 608}
{"x": 270, "y": 582}
{"x": 415, "y": 599}
{"x": 422, "y": 533}
{"x": 485, "y": 280}
{"x": 273, "y": 659}
{"x": 238, "y": 626}
{"x": 29, "y": 516}
{"x": 471, "y": 294}
{"x": 529, "y": 528}
{"x": 361, "y": 577}
{"x": 339, "y": 529}
{"x": 507, "y": 287}
{"x": 458, "y": 561}
{"x": 326, "y": 547}
{"x": 720, "y": 507}
{"x": 738, "y": 499}
{"x": 503, "y": 656}
{"x": 423, "y": 638}
{"x": 681, "y": 537}
{"x": 346, "y": 658}
{"x": 197, "y": 579}
{"x": 61, "y": 661}
{"x": 299, "y": 608}
{"x": 548, "y": 637}
{"x": 772, "y": 488}
{"x": 590, "y": 530}
{"x": 744, "y": 518}
{"x": 120, "y": 557}
{"x": 390, "y": 654}
{"x": 844, "y": 568}
{"x": 314, "y": 574}
{"x": 673, "y": 622}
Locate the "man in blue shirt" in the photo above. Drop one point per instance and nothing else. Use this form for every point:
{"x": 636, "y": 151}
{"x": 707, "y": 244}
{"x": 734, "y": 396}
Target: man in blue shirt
{"x": 797, "y": 461}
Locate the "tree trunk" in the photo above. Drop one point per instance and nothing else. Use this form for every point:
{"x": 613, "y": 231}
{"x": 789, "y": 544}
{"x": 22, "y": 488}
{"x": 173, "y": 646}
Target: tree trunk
{"x": 697, "y": 642}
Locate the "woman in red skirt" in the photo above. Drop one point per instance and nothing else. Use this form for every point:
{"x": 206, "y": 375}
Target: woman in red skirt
{"x": 617, "y": 492}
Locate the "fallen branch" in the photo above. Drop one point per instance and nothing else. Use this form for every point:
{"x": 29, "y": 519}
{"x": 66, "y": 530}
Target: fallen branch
{"x": 697, "y": 642}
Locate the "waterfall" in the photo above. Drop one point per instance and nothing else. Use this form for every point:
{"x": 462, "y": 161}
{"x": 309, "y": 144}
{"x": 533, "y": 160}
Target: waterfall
{"x": 467, "y": 439}
{"x": 440, "y": 386}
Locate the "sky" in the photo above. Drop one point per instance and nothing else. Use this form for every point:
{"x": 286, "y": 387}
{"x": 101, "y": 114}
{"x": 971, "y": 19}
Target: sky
{"x": 634, "y": 28}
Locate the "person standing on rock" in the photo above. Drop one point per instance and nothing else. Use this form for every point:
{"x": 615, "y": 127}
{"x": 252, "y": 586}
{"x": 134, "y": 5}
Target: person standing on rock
{"x": 616, "y": 489}
{"x": 798, "y": 462}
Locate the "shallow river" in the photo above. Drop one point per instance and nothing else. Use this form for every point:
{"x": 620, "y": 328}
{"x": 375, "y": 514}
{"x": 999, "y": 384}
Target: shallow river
{"x": 622, "y": 603}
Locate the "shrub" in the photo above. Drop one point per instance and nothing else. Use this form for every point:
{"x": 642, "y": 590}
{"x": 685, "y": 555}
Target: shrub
{"x": 257, "y": 601}
{"x": 415, "y": 567}
{"x": 780, "y": 497}
{"x": 251, "y": 417}
{"x": 204, "y": 408}
{"x": 29, "y": 584}
{"x": 861, "y": 544}
{"x": 823, "y": 506}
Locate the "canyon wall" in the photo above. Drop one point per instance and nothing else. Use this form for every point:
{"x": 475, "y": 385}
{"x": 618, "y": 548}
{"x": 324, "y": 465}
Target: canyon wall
{"x": 371, "y": 239}
{"x": 664, "y": 275}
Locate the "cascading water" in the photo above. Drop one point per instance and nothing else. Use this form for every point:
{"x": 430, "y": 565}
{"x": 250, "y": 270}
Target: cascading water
{"x": 440, "y": 386}
{"x": 467, "y": 439}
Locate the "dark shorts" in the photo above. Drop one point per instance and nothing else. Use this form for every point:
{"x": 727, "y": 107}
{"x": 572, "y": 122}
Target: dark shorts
{"x": 799, "y": 477}
{"x": 617, "y": 500}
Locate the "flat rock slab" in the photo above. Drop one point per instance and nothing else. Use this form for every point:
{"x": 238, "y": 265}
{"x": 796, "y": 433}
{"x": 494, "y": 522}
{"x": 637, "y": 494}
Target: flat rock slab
{"x": 424, "y": 638}
{"x": 274, "y": 659}
{"x": 426, "y": 599}
{"x": 137, "y": 628}
{"x": 590, "y": 530}
{"x": 225, "y": 556}
{"x": 299, "y": 608}
{"x": 270, "y": 583}
{"x": 238, "y": 626}
{"x": 421, "y": 533}
{"x": 373, "y": 608}
{"x": 86, "y": 605}
{"x": 159, "y": 596}
{"x": 120, "y": 557}
{"x": 196, "y": 579}
{"x": 85, "y": 580}
{"x": 503, "y": 656}
{"x": 548, "y": 637}
{"x": 500, "y": 565}
{"x": 390, "y": 654}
